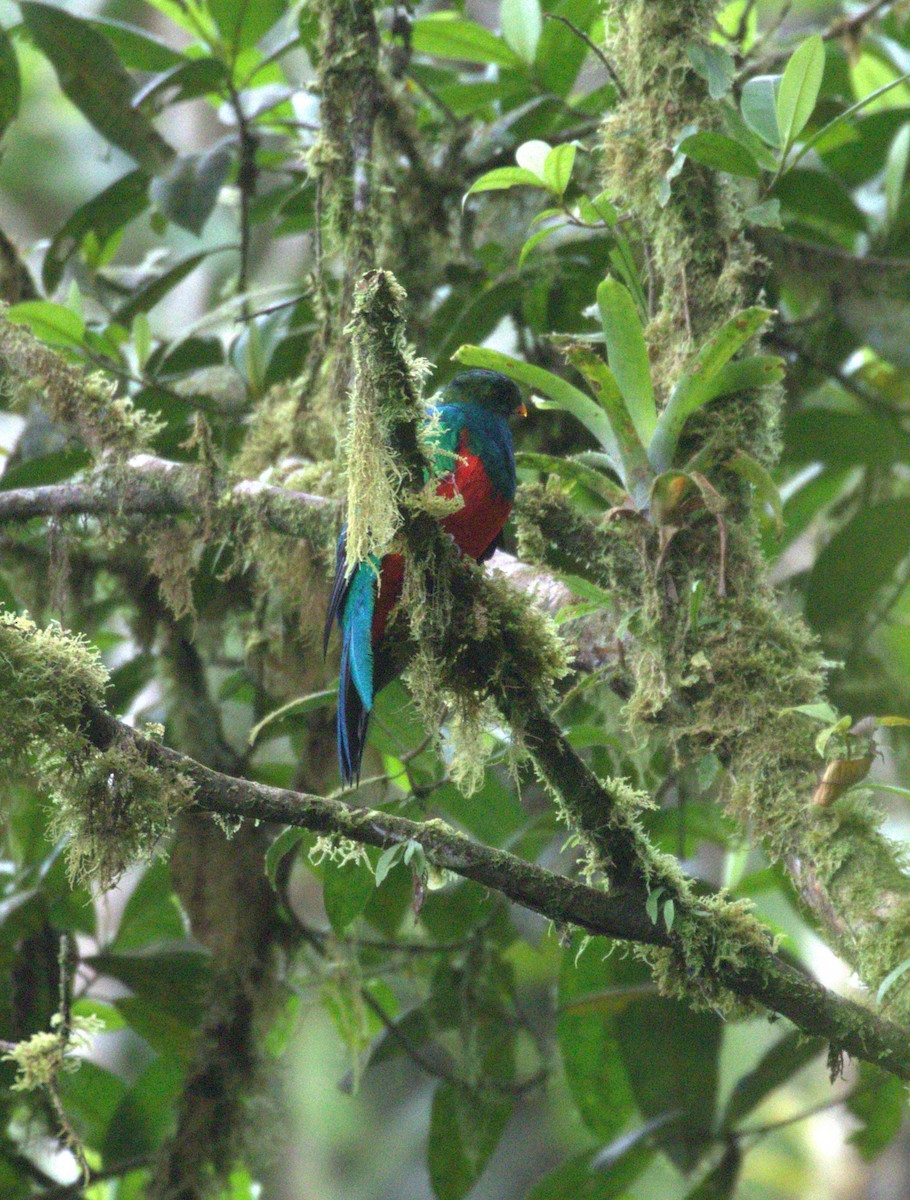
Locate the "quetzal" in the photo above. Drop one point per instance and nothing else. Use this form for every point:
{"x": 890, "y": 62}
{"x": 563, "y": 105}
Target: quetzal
{"x": 474, "y": 459}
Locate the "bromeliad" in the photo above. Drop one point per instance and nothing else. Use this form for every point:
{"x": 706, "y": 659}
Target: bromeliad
{"x": 474, "y": 460}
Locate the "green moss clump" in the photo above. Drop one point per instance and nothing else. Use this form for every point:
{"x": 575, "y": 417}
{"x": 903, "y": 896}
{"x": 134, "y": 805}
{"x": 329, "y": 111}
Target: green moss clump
{"x": 47, "y": 677}
{"x": 107, "y": 423}
{"x": 111, "y": 805}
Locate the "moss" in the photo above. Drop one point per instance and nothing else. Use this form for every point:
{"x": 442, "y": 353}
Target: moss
{"x": 172, "y": 548}
{"x": 107, "y": 423}
{"x": 111, "y": 805}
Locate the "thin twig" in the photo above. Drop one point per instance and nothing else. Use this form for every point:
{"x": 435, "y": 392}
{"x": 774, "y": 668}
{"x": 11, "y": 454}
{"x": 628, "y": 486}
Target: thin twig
{"x": 846, "y": 26}
{"x": 608, "y": 66}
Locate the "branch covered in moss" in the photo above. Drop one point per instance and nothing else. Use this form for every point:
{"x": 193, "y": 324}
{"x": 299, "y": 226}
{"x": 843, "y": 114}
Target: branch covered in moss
{"x": 761, "y": 978}
{"x": 728, "y": 688}
{"x": 136, "y": 776}
{"x": 148, "y": 486}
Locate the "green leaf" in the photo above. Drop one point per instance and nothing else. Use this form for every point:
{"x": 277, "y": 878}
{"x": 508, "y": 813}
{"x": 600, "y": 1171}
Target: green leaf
{"x": 562, "y": 394}
{"x": 896, "y": 172}
{"x": 136, "y": 48}
{"x": 446, "y": 35}
{"x": 91, "y": 75}
{"x": 345, "y": 892}
{"x": 671, "y": 1054}
{"x": 152, "y": 913}
{"x": 777, "y": 1065}
{"x": 600, "y": 1174}
{"x": 721, "y": 153}
{"x": 561, "y": 52}
{"x": 557, "y": 168}
{"x": 698, "y": 385}
{"x": 185, "y": 81}
{"x": 172, "y": 980}
{"x": 522, "y": 24}
{"x": 140, "y": 1120}
{"x": 535, "y": 240}
{"x": 822, "y": 133}
{"x": 283, "y": 844}
{"x": 501, "y": 178}
{"x": 105, "y": 215}
{"x": 714, "y": 65}
{"x": 635, "y": 473}
{"x": 652, "y": 902}
{"x": 799, "y": 88}
{"x": 758, "y": 105}
{"x": 755, "y": 371}
{"x": 821, "y": 711}
{"x": 861, "y": 558}
{"x": 188, "y": 192}
{"x": 891, "y": 978}
{"x": 145, "y": 298}
{"x": 766, "y": 491}
{"x": 387, "y": 860}
{"x": 575, "y": 474}
{"x": 628, "y": 355}
{"x": 10, "y": 82}
{"x": 243, "y": 22}
{"x": 879, "y": 1100}
{"x": 52, "y": 323}
{"x": 465, "y": 1128}
{"x": 91, "y": 1096}
{"x": 588, "y": 1044}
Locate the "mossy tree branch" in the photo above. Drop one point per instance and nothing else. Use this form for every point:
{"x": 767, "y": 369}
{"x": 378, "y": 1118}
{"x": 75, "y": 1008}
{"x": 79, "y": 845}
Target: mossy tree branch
{"x": 761, "y": 661}
{"x": 483, "y": 644}
{"x": 764, "y": 978}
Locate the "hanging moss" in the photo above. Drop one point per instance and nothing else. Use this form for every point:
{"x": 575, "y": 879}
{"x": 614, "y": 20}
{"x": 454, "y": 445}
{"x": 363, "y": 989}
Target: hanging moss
{"x": 111, "y": 805}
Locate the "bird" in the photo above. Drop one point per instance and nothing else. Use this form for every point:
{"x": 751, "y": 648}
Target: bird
{"x": 475, "y": 460}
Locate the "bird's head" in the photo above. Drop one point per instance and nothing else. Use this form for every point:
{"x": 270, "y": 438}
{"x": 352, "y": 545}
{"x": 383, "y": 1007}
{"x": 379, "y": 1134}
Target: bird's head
{"x": 487, "y": 389}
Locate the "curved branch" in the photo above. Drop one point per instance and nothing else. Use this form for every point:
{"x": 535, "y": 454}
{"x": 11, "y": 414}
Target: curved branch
{"x": 762, "y": 978}
{"x": 158, "y": 487}
{"x": 150, "y": 486}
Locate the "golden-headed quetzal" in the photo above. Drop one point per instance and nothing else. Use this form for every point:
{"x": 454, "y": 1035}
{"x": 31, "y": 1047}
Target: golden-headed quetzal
{"x": 473, "y": 459}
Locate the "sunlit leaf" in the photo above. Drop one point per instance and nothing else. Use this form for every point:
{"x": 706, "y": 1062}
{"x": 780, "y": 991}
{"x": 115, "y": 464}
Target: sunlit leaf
{"x": 51, "y": 322}
{"x": 561, "y": 393}
{"x": 799, "y": 88}
{"x": 628, "y": 355}
{"x": 557, "y": 168}
{"x": 446, "y": 35}
{"x": 522, "y": 25}
{"x": 699, "y": 384}
{"x": 501, "y": 178}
